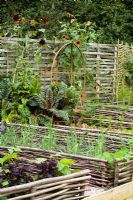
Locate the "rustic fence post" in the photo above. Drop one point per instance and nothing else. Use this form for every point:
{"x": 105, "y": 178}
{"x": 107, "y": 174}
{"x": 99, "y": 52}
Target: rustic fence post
{"x": 115, "y": 85}
{"x": 98, "y": 73}
{"x": 116, "y": 175}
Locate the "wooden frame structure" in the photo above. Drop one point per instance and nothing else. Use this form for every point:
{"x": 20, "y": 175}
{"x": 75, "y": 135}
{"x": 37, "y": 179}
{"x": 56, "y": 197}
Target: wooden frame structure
{"x": 71, "y": 73}
{"x": 124, "y": 192}
{"x": 102, "y": 57}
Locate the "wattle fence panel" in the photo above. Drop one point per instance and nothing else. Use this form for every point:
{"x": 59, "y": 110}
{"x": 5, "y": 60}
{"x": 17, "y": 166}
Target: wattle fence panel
{"x": 101, "y": 57}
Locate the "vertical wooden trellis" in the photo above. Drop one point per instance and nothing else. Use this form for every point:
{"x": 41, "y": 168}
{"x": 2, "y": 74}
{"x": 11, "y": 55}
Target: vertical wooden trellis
{"x": 71, "y": 73}
{"x": 115, "y": 79}
{"x": 97, "y": 72}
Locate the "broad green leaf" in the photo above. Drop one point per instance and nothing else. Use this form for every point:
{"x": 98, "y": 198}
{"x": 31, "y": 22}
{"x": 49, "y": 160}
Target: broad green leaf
{"x": 60, "y": 166}
{"x": 66, "y": 170}
{"x": 8, "y": 158}
{"x": 6, "y": 170}
{"x": 5, "y": 183}
{"x": 66, "y": 161}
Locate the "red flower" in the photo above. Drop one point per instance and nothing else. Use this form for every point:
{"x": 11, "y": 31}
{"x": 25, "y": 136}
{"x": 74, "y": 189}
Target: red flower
{"x": 18, "y": 18}
{"x": 42, "y": 42}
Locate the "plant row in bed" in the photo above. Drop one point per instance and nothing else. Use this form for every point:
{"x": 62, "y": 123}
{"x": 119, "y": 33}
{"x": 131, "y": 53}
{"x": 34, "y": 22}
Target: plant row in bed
{"x": 107, "y": 153}
{"x": 19, "y": 167}
{"x": 110, "y": 116}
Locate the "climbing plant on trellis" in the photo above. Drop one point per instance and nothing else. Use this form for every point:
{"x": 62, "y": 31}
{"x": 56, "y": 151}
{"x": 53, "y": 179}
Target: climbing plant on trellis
{"x": 69, "y": 66}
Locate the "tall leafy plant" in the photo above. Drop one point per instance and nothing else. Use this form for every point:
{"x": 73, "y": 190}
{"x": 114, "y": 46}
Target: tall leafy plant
{"x": 24, "y": 84}
{"x": 55, "y": 100}
{"x": 5, "y": 90}
{"x": 129, "y": 73}
{"x": 126, "y": 89}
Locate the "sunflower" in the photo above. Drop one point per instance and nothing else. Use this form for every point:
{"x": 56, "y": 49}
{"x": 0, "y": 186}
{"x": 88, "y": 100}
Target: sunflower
{"x": 69, "y": 15}
{"x": 33, "y": 22}
{"x": 64, "y": 37}
{"x": 44, "y": 20}
{"x": 77, "y": 43}
{"x": 16, "y": 18}
{"x": 82, "y": 96}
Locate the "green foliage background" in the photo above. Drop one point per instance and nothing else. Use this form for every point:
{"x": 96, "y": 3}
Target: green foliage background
{"x": 112, "y": 18}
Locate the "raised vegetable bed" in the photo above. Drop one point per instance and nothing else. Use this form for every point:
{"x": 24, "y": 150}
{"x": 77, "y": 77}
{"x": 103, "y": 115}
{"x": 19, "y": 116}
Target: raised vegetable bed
{"x": 63, "y": 187}
{"x": 103, "y": 173}
{"x": 110, "y": 116}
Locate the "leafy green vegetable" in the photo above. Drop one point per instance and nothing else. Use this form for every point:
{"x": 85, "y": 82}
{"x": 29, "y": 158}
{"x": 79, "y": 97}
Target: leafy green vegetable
{"x": 64, "y": 165}
{"x": 8, "y": 157}
{"x": 5, "y": 183}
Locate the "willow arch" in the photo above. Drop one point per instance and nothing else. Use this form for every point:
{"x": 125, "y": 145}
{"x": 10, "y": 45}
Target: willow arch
{"x": 71, "y": 72}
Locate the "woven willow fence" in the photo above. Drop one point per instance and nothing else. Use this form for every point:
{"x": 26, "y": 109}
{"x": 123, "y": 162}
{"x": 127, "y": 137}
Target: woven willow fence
{"x": 104, "y": 57}
{"x": 101, "y": 57}
{"x": 124, "y": 51}
{"x": 109, "y": 116}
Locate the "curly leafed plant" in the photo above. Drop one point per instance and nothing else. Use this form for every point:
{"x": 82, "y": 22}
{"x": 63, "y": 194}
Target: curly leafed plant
{"x": 55, "y": 100}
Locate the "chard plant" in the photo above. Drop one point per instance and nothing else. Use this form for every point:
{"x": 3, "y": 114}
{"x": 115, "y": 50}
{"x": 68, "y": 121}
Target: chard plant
{"x": 55, "y": 100}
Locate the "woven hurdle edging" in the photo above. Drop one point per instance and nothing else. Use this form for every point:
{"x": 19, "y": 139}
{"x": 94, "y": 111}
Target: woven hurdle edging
{"x": 101, "y": 172}
{"x": 69, "y": 186}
